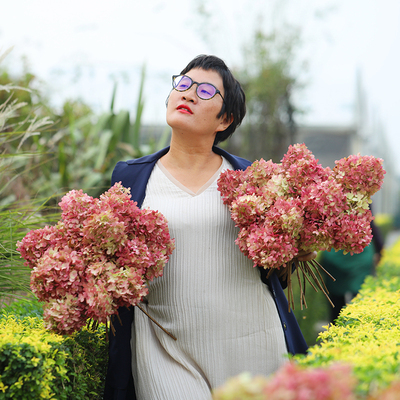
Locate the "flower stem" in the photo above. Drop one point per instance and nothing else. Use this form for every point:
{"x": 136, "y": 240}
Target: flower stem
{"x": 168, "y": 333}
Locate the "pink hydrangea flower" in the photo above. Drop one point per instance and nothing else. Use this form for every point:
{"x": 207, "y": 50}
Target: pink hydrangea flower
{"x": 362, "y": 174}
{"x": 293, "y": 382}
{"x": 265, "y": 247}
{"x": 302, "y": 169}
{"x": 64, "y": 315}
{"x": 96, "y": 259}
{"x": 36, "y": 242}
{"x": 76, "y": 206}
{"x": 282, "y": 209}
{"x": 103, "y": 232}
{"x": 58, "y": 272}
{"x": 247, "y": 209}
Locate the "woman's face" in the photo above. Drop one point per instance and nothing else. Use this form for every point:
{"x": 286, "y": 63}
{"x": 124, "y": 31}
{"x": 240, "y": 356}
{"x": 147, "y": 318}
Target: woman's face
{"x": 186, "y": 112}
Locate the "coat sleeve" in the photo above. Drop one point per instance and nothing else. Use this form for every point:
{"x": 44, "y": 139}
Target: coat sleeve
{"x": 295, "y": 341}
{"x": 133, "y": 174}
{"x": 119, "y": 381}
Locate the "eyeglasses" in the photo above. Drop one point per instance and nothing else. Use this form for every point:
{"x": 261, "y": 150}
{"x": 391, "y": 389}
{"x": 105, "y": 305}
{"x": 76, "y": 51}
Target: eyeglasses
{"x": 204, "y": 90}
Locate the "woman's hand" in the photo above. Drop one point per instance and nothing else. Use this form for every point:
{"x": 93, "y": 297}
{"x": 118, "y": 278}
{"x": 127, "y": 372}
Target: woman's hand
{"x": 301, "y": 256}
{"x": 304, "y": 256}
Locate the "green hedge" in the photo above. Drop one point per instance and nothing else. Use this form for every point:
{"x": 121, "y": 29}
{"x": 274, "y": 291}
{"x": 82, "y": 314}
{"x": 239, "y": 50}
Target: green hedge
{"x": 367, "y": 333}
{"x": 38, "y": 364}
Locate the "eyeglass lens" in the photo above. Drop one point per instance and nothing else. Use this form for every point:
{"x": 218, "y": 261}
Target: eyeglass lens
{"x": 205, "y": 91}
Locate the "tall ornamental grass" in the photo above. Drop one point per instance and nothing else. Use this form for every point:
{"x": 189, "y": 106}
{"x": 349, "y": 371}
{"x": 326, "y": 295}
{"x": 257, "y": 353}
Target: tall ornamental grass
{"x": 16, "y": 217}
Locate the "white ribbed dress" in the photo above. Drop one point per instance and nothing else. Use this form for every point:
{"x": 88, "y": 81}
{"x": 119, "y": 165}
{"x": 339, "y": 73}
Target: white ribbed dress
{"x": 210, "y": 297}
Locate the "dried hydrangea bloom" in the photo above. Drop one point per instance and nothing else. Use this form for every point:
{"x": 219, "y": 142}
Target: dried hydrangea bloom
{"x": 58, "y": 272}
{"x": 64, "y": 316}
{"x": 96, "y": 259}
{"x": 33, "y": 246}
{"x": 300, "y": 206}
{"x": 360, "y": 174}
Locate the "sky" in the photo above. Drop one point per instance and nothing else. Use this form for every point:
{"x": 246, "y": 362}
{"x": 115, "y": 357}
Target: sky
{"x": 80, "y": 48}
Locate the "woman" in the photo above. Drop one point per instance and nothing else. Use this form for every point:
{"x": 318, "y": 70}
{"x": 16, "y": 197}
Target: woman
{"x": 226, "y": 319}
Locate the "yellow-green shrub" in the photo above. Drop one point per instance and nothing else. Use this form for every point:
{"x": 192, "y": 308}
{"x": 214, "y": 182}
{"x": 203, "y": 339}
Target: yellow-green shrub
{"x": 367, "y": 333}
{"x": 38, "y": 364}
{"x": 32, "y": 363}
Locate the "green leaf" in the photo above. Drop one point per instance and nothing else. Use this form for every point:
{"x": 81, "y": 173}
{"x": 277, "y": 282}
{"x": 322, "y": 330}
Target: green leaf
{"x": 120, "y": 129}
{"x": 102, "y": 148}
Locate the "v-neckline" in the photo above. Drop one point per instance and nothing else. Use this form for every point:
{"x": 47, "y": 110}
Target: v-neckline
{"x": 183, "y": 187}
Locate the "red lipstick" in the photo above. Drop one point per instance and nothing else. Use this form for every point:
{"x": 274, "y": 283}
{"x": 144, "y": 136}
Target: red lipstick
{"x": 184, "y": 109}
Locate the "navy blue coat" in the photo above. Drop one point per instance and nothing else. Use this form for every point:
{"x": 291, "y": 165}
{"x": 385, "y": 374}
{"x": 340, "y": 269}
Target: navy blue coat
{"x": 119, "y": 382}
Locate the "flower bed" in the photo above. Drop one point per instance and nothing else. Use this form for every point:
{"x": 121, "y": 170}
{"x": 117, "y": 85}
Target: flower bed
{"x": 365, "y": 338}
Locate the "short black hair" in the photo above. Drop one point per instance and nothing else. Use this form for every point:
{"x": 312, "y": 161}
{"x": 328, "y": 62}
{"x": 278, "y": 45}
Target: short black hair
{"x": 234, "y": 98}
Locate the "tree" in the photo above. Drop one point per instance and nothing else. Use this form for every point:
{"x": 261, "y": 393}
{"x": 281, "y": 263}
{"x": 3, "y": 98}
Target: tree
{"x": 269, "y": 82}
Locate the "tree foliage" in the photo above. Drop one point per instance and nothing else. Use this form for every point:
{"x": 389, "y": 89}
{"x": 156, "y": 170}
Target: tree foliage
{"x": 269, "y": 82}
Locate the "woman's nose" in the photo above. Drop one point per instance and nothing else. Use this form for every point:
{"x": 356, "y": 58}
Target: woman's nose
{"x": 190, "y": 94}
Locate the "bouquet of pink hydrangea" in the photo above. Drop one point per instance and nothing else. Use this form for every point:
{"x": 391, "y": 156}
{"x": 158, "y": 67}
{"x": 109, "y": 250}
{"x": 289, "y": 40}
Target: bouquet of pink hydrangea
{"x": 96, "y": 259}
{"x": 299, "y": 206}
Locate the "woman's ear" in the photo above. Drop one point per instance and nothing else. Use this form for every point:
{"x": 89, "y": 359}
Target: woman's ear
{"x": 230, "y": 120}
{"x": 225, "y": 122}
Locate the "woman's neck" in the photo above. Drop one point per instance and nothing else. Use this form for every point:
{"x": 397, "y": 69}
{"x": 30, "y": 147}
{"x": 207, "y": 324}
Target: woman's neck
{"x": 192, "y": 165}
{"x": 191, "y": 153}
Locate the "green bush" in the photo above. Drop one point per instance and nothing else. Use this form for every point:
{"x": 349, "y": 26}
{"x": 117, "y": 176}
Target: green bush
{"x": 32, "y": 362}
{"x": 367, "y": 334}
{"x": 88, "y": 350}
{"x": 35, "y": 363}
{"x": 25, "y": 307}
